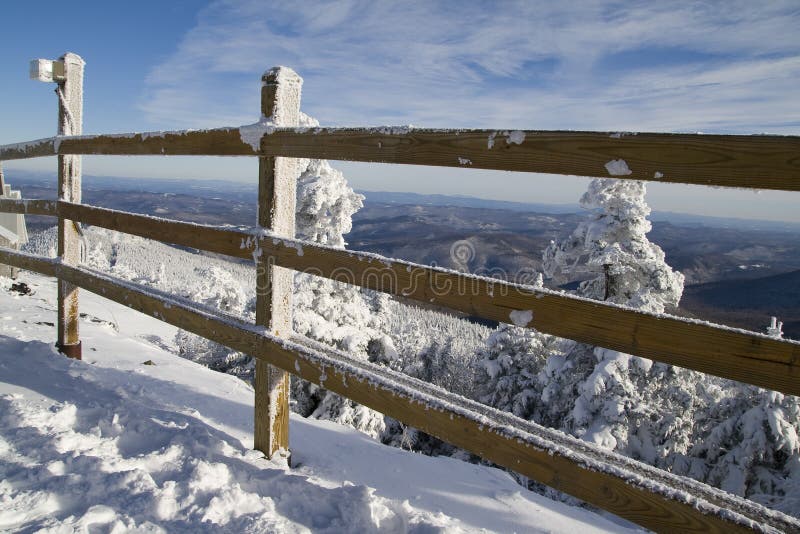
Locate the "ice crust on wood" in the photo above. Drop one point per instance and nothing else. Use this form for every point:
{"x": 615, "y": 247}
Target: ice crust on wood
{"x": 521, "y": 317}
{"x": 618, "y": 167}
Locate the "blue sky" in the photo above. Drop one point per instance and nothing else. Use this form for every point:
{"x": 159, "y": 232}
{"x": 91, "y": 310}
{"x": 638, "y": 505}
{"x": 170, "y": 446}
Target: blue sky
{"x": 715, "y": 67}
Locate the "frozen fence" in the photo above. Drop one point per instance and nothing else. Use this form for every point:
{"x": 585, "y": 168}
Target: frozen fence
{"x": 645, "y": 495}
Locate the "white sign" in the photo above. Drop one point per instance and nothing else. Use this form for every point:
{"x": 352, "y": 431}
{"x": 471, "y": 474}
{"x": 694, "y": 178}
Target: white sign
{"x": 47, "y": 70}
{"x": 13, "y": 224}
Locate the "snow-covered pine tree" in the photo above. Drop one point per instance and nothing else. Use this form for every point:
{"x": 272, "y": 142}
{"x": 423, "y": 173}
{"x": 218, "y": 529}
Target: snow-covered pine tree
{"x": 595, "y": 393}
{"x": 508, "y": 365}
{"x": 220, "y": 290}
{"x": 748, "y": 442}
{"x": 611, "y": 252}
{"x": 334, "y": 313}
{"x": 506, "y": 376}
{"x": 739, "y": 437}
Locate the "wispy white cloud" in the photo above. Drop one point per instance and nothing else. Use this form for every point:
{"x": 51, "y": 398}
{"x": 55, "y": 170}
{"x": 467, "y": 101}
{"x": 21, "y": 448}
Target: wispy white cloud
{"x": 711, "y": 66}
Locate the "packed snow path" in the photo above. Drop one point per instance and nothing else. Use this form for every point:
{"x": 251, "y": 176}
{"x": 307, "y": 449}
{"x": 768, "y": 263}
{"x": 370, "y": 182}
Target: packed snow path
{"x": 113, "y": 444}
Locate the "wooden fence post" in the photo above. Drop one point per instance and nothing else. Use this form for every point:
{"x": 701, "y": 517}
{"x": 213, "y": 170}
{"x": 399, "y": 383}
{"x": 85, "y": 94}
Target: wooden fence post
{"x": 70, "y": 122}
{"x": 277, "y": 185}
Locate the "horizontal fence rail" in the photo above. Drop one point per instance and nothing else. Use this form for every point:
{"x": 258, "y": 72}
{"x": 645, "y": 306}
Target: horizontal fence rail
{"x": 722, "y": 351}
{"x": 748, "y": 161}
{"x": 630, "y": 489}
{"x": 29, "y": 207}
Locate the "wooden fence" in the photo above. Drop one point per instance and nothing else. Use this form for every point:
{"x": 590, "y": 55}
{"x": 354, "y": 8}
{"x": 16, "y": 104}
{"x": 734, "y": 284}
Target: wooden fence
{"x": 630, "y": 489}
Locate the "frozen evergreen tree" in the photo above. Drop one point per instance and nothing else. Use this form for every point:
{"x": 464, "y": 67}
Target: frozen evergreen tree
{"x": 747, "y": 443}
{"x": 611, "y": 252}
{"x": 220, "y": 290}
{"x": 508, "y": 367}
{"x": 338, "y": 314}
{"x": 335, "y": 313}
{"x": 325, "y": 204}
{"x": 601, "y": 395}
{"x": 738, "y": 437}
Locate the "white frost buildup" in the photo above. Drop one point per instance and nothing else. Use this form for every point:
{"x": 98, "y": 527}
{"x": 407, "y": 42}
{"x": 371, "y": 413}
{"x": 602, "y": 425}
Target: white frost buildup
{"x": 618, "y": 167}
{"x": 521, "y": 317}
{"x": 251, "y": 134}
{"x": 516, "y": 137}
{"x": 325, "y": 204}
{"x": 775, "y": 328}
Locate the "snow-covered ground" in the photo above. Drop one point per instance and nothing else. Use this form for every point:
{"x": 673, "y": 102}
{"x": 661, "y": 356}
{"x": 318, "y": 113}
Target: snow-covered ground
{"x": 112, "y": 444}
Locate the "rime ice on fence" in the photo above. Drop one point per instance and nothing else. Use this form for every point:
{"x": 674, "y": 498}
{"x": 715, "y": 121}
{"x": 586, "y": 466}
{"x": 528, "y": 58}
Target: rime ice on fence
{"x": 775, "y": 328}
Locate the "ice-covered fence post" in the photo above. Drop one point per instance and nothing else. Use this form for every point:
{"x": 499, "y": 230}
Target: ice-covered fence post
{"x": 67, "y": 72}
{"x": 277, "y": 177}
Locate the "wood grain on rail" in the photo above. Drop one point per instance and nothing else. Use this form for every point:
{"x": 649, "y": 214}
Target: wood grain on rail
{"x": 750, "y": 161}
{"x": 604, "y": 480}
{"x": 739, "y": 355}
{"x": 746, "y": 161}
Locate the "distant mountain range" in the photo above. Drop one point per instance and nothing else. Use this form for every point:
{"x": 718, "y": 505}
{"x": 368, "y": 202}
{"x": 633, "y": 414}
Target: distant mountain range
{"x": 246, "y": 192}
{"x": 682, "y": 219}
{"x": 388, "y": 197}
